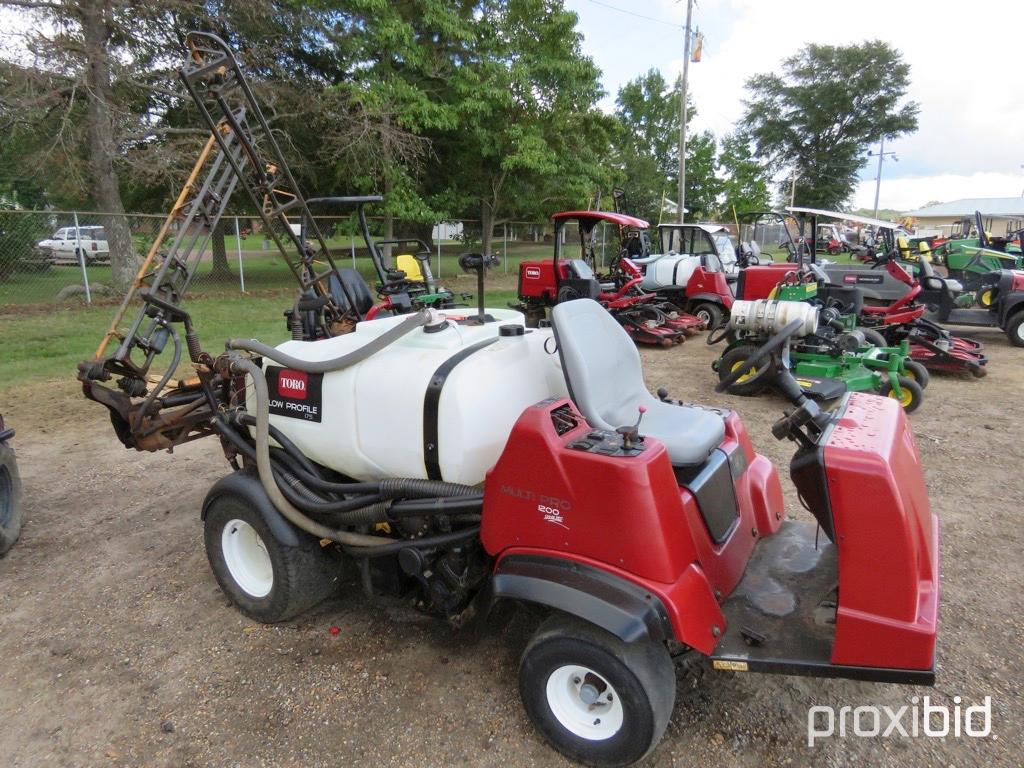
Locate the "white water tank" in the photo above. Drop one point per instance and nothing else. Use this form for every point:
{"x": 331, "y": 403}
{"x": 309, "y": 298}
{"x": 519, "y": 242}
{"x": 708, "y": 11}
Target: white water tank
{"x": 428, "y": 405}
{"x": 668, "y": 271}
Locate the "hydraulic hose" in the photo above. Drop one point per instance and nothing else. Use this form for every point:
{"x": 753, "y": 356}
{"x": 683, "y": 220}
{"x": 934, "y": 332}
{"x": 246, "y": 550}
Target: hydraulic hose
{"x": 294, "y": 490}
{"x": 337, "y": 363}
{"x": 266, "y": 470}
{"x": 389, "y": 488}
{"x": 395, "y": 546}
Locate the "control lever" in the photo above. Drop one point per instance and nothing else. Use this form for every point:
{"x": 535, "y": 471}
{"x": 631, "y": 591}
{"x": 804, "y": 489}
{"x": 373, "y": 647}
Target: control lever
{"x": 631, "y": 434}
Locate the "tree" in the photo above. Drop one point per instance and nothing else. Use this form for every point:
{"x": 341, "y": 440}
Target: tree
{"x": 647, "y": 111}
{"x": 529, "y": 134}
{"x": 746, "y": 179}
{"x": 101, "y": 116}
{"x": 823, "y": 111}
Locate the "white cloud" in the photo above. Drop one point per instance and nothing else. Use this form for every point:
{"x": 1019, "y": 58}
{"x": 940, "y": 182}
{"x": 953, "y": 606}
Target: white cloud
{"x": 965, "y": 73}
{"x": 907, "y": 194}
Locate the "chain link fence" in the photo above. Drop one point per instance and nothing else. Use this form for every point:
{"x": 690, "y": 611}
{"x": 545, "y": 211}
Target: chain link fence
{"x": 52, "y": 258}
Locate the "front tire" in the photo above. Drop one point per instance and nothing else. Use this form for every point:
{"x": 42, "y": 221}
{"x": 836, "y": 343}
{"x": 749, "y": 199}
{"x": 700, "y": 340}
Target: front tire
{"x": 10, "y": 498}
{"x": 871, "y": 336}
{"x": 709, "y": 314}
{"x": 910, "y": 396}
{"x": 750, "y": 384}
{"x": 596, "y": 699}
{"x": 1015, "y": 329}
{"x": 267, "y": 580}
{"x": 917, "y": 372}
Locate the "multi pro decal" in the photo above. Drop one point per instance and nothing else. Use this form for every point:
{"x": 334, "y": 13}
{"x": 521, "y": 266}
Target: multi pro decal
{"x": 295, "y": 394}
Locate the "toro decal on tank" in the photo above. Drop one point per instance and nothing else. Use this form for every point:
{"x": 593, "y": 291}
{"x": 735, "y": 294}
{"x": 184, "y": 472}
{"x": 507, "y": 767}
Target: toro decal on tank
{"x": 295, "y": 394}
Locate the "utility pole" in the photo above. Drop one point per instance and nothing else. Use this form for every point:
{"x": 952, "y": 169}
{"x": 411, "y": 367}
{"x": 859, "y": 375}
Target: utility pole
{"x": 878, "y": 176}
{"x": 792, "y": 188}
{"x": 682, "y": 112}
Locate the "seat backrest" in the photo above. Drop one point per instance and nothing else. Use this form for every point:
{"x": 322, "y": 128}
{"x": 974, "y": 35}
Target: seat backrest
{"x": 904, "y": 248}
{"x": 408, "y": 264}
{"x": 354, "y": 286}
{"x": 600, "y": 362}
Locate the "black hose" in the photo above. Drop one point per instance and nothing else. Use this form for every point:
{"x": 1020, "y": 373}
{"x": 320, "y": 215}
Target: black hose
{"x": 427, "y": 542}
{"x": 429, "y": 507}
{"x": 365, "y": 509}
{"x": 295, "y": 491}
{"x": 390, "y": 488}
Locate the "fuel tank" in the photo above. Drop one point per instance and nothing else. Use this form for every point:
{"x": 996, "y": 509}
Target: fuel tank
{"x": 438, "y": 403}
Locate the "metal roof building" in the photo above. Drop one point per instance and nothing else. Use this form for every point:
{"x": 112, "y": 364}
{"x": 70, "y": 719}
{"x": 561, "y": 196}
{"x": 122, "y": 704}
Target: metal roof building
{"x": 1001, "y": 207}
{"x": 1001, "y": 214}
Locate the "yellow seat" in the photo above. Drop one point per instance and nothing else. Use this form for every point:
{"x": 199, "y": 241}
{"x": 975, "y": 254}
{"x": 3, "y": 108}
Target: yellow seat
{"x": 925, "y": 250}
{"x": 903, "y": 246}
{"x": 411, "y": 266}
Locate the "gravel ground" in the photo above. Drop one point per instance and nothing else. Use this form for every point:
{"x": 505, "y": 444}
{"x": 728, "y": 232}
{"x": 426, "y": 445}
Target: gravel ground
{"x": 117, "y": 648}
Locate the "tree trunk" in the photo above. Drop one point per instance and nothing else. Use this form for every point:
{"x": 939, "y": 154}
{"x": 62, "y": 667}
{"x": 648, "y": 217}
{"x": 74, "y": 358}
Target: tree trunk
{"x": 220, "y": 269}
{"x": 106, "y": 190}
{"x": 486, "y": 226}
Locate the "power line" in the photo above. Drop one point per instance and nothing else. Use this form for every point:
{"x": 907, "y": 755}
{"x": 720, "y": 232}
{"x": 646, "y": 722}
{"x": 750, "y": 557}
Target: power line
{"x": 637, "y": 15}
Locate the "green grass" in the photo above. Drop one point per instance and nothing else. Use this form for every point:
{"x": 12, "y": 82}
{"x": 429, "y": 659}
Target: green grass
{"x": 262, "y": 272}
{"x": 46, "y": 345}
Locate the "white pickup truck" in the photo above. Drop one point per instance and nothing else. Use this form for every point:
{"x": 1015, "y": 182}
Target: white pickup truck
{"x": 65, "y": 243}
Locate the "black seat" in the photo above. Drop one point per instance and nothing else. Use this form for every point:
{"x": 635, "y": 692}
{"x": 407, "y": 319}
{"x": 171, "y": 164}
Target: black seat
{"x": 849, "y": 299}
{"x": 347, "y": 283}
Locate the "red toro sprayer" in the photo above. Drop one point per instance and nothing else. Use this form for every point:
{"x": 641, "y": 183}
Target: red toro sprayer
{"x": 470, "y": 460}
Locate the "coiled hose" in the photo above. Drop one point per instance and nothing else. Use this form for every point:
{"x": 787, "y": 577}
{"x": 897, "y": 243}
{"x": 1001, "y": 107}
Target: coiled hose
{"x": 269, "y": 476}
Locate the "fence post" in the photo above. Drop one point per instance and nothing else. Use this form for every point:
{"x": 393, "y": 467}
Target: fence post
{"x": 352, "y": 245}
{"x": 81, "y": 259}
{"x": 504, "y": 232}
{"x": 440, "y": 233}
{"x": 238, "y": 247}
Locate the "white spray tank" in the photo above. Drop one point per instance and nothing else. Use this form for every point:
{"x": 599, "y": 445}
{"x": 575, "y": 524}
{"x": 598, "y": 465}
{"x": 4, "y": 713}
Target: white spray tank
{"x": 437, "y": 403}
{"x": 769, "y": 316}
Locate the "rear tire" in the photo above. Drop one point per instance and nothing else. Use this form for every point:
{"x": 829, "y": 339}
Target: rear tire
{"x": 596, "y": 699}
{"x": 267, "y": 580}
{"x": 10, "y": 498}
{"x": 1015, "y": 329}
{"x": 709, "y": 314}
{"x": 912, "y": 394}
{"x": 916, "y": 371}
{"x": 753, "y": 383}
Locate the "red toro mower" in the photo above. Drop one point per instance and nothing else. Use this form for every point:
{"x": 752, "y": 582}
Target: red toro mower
{"x": 647, "y": 318}
{"x": 466, "y": 461}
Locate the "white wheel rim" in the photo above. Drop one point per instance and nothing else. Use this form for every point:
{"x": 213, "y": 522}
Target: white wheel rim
{"x": 584, "y": 703}
{"x": 246, "y": 557}
{"x": 1020, "y": 331}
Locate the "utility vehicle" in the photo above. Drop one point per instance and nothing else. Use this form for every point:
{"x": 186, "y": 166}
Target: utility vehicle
{"x": 466, "y": 460}
{"x": 645, "y": 315}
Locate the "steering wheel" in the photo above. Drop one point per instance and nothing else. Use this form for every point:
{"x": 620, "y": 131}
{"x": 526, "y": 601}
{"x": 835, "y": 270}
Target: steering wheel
{"x": 764, "y": 351}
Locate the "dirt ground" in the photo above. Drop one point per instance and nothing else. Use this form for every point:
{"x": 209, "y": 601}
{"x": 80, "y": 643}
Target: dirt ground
{"x": 118, "y": 649}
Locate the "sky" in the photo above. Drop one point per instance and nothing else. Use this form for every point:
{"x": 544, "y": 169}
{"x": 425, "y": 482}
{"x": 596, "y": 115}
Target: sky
{"x": 965, "y": 75}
